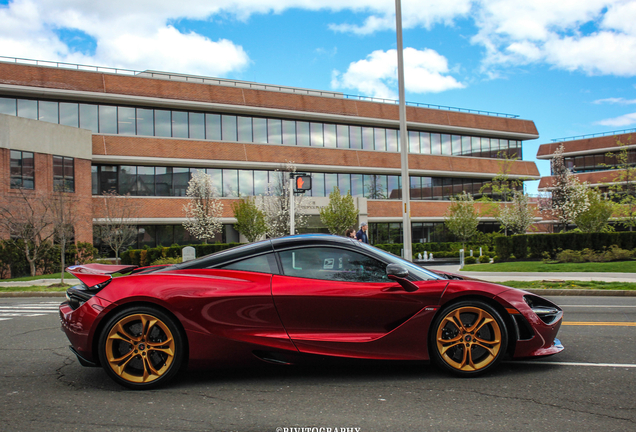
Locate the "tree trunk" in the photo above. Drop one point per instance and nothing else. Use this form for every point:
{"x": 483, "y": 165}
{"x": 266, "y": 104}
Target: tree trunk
{"x": 117, "y": 257}
{"x": 63, "y": 259}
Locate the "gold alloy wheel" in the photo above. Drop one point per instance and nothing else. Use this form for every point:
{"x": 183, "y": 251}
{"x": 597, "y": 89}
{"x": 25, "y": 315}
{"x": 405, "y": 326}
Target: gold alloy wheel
{"x": 140, "y": 348}
{"x": 468, "y": 339}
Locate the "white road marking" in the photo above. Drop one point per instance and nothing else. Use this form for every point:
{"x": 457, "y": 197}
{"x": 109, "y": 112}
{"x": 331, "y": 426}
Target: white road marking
{"x": 619, "y": 365}
{"x": 28, "y": 310}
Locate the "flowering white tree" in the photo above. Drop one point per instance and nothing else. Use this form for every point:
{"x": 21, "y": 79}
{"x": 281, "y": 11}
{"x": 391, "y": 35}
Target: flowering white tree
{"x": 203, "y": 212}
{"x": 569, "y": 195}
{"x": 276, "y": 205}
{"x": 516, "y": 216}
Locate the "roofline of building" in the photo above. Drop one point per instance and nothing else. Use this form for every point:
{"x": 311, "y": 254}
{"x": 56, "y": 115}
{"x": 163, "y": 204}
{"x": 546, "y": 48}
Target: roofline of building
{"x": 586, "y": 152}
{"x": 113, "y": 98}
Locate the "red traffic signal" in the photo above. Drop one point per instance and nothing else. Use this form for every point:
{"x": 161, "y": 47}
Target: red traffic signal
{"x": 302, "y": 183}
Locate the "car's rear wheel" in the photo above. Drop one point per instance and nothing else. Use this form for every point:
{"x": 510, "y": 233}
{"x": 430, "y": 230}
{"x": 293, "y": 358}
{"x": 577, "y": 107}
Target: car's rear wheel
{"x": 141, "y": 347}
{"x": 468, "y": 338}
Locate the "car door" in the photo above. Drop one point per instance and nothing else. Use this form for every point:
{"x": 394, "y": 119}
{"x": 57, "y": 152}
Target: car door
{"x": 338, "y": 301}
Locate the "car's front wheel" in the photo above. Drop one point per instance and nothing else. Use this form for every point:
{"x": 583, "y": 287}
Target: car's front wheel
{"x": 468, "y": 338}
{"x": 141, "y": 347}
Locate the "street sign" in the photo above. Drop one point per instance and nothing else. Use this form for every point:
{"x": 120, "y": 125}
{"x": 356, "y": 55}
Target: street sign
{"x": 302, "y": 183}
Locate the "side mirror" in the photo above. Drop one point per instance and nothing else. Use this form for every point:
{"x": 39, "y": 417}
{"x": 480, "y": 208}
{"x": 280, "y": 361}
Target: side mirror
{"x": 400, "y": 274}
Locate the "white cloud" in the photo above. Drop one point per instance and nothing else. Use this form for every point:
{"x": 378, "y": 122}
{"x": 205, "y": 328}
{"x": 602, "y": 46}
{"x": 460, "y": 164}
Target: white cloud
{"x": 424, "y": 72}
{"x": 620, "y": 101}
{"x": 624, "y": 120}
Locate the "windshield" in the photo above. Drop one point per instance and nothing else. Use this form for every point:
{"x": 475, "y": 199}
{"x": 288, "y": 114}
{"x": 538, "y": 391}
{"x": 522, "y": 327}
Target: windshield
{"x": 415, "y": 270}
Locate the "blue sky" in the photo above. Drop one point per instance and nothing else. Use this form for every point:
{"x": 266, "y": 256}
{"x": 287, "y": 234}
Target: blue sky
{"x": 569, "y": 66}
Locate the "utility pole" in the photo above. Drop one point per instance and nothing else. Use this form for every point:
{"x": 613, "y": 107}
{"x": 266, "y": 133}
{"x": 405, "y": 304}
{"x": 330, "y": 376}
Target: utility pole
{"x": 404, "y": 150}
{"x": 292, "y": 210}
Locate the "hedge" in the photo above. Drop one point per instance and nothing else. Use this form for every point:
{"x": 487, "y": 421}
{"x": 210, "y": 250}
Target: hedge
{"x": 439, "y": 250}
{"x": 536, "y": 245}
{"x": 143, "y": 257}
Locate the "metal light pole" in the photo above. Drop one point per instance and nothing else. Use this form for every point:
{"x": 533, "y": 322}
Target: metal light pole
{"x": 292, "y": 215}
{"x": 404, "y": 150}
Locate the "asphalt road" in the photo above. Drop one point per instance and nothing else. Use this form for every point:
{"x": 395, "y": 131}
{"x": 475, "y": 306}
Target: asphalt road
{"x": 589, "y": 386}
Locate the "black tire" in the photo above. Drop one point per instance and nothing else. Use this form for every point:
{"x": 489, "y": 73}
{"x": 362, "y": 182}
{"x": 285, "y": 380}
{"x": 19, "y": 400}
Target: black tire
{"x": 141, "y": 348}
{"x": 468, "y": 338}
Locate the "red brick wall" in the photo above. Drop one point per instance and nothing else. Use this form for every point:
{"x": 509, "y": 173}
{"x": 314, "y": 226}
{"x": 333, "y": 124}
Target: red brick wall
{"x": 587, "y": 144}
{"x": 136, "y": 86}
{"x": 44, "y": 186}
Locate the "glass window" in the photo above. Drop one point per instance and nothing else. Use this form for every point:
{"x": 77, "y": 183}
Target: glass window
{"x": 128, "y": 180}
{"x": 107, "y": 178}
{"x": 302, "y": 133}
{"x": 196, "y": 125}
{"x": 332, "y": 264}
{"x": 367, "y": 138}
{"x": 8, "y": 106}
{"x": 179, "y": 124}
{"x": 447, "y": 188}
{"x": 485, "y": 147}
{"x": 415, "y": 188}
{"x": 63, "y": 174}
{"x": 213, "y": 127}
{"x": 414, "y": 142}
{"x": 318, "y": 184}
{"x": 22, "y": 170}
{"x": 380, "y": 139}
{"x": 446, "y": 145}
{"x": 48, "y": 112}
{"x": 392, "y": 140}
{"x": 163, "y": 181}
{"x": 164, "y": 235}
{"x": 107, "y": 119}
{"x": 260, "y": 130}
{"x": 88, "y": 117}
{"x": 356, "y": 185}
{"x": 466, "y": 146}
{"x": 246, "y": 183}
{"x": 425, "y": 142}
{"x": 94, "y": 180}
{"x": 274, "y": 131}
{"x": 393, "y": 187}
{"x": 126, "y": 120}
{"x": 331, "y": 181}
{"x": 343, "y": 136}
{"x": 245, "y": 129}
{"x": 289, "y": 132}
{"x": 475, "y": 146}
{"x": 228, "y": 127}
{"x": 427, "y": 188}
{"x": 180, "y": 178}
{"x": 216, "y": 174}
{"x": 458, "y": 186}
{"x": 330, "y": 135}
{"x": 28, "y": 109}
{"x": 436, "y": 144}
{"x": 260, "y": 183}
{"x": 457, "y": 145}
{"x": 260, "y": 264}
{"x": 145, "y": 181}
{"x": 146, "y": 236}
{"x": 344, "y": 183}
{"x": 230, "y": 183}
{"x": 317, "y": 140}
{"x": 145, "y": 122}
{"x": 437, "y": 188}
{"x": 355, "y": 137}
{"x": 69, "y": 114}
{"x": 163, "y": 123}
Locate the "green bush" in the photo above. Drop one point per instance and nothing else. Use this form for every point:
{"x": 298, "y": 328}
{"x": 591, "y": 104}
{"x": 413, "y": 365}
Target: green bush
{"x": 496, "y": 259}
{"x": 484, "y": 259}
{"x": 570, "y": 256}
{"x": 162, "y": 261}
{"x": 470, "y": 260}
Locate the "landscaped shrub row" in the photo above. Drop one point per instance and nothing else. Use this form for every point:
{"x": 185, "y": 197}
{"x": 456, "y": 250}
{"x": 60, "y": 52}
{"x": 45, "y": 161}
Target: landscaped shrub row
{"x": 439, "y": 250}
{"x": 537, "y": 246}
{"x": 144, "y": 257}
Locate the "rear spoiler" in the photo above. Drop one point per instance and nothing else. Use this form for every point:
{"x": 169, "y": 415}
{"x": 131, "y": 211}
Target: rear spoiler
{"x": 95, "y": 274}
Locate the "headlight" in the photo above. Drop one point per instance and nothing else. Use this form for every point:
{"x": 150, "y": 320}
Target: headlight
{"x": 546, "y": 310}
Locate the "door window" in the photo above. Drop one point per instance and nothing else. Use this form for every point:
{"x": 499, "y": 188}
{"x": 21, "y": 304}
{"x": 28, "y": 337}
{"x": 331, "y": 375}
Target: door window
{"x": 332, "y": 264}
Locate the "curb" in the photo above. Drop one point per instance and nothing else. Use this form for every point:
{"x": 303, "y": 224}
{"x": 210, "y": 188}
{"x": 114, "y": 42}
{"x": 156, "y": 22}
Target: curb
{"x": 33, "y": 294}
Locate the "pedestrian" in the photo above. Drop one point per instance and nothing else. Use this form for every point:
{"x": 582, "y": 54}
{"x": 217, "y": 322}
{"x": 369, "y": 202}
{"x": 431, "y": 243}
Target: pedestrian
{"x": 362, "y": 234}
{"x": 351, "y": 233}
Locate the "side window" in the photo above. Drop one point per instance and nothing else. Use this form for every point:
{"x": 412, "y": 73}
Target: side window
{"x": 332, "y": 264}
{"x": 261, "y": 264}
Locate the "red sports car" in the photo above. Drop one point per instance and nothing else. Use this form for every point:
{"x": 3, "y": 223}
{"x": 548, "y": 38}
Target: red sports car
{"x": 284, "y": 299}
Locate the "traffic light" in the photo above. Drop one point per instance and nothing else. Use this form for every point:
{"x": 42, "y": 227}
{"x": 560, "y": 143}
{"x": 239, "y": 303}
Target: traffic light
{"x": 302, "y": 183}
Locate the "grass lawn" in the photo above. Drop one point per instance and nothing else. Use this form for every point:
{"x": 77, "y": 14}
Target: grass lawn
{"x": 48, "y": 276}
{"x": 539, "y": 266}
{"x": 571, "y": 285}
